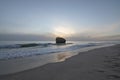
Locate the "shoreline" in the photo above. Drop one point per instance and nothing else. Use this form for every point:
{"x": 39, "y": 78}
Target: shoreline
{"x": 89, "y": 65}
{"x": 11, "y": 66}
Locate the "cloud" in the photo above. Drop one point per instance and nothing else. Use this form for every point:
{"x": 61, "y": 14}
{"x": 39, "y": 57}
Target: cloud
{"x": 101, "y": 30}
{"x": 25, "y": 37}
{"x": 105, "y": 32}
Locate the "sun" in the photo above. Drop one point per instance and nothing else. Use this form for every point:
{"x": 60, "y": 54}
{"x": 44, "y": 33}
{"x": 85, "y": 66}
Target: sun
{"x": 63, "y": 31}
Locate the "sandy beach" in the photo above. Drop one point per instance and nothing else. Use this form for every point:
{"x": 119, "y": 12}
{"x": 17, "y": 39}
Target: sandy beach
{"x": 97, "y": 64}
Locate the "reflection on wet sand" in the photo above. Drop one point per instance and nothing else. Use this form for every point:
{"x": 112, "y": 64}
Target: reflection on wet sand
{"x": 21, "y": 64}
{"x": 63, "y": 56}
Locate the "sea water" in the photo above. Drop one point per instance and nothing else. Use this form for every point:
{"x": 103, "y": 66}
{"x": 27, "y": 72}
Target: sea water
{"x": 18, "y": 49}
{"x": 17, "y": 56}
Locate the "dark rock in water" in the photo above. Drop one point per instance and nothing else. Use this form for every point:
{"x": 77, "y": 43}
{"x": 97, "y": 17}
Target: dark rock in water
{"x": 60, "y": 40}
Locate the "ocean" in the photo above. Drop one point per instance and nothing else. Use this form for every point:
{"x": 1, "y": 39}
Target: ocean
{"x": 18, "y": 49}
{"x": 17, "y": 56}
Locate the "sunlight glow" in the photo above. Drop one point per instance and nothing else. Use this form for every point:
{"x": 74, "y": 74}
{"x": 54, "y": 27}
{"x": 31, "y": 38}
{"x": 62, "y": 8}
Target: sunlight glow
{"x": 63, "y": 31}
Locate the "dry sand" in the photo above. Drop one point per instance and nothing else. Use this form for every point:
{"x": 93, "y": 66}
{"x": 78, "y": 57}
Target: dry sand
{"x": 97, "y": 64}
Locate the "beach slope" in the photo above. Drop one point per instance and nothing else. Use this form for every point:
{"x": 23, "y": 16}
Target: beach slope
{"x": 97, "y": 64}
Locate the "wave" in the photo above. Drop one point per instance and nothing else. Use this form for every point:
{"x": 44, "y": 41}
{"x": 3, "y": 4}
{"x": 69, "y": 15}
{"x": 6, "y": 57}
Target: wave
{"x": 32, "y": 49}
{"x": 29, "y": 45}
{"x": 25, "y": 45}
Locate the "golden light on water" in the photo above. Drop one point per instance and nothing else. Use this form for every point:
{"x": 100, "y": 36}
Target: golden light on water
{"x": 63, "y": 31}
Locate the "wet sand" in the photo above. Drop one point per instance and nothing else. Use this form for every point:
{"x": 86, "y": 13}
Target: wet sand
{"x": 97, "y": 64}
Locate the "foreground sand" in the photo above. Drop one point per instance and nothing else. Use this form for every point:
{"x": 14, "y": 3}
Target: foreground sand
{"x": 98, "y": 64}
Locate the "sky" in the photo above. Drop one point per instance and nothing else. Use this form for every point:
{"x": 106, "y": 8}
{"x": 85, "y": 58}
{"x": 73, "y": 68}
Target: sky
{"x": 46, "y": 19}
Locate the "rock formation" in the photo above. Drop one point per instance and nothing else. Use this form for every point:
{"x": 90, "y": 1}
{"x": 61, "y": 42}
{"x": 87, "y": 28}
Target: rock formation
{"x": 60, "y": 40}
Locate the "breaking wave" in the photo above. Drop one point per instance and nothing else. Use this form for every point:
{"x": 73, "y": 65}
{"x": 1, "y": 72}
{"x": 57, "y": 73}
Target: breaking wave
{"x": 32, "y": 49}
